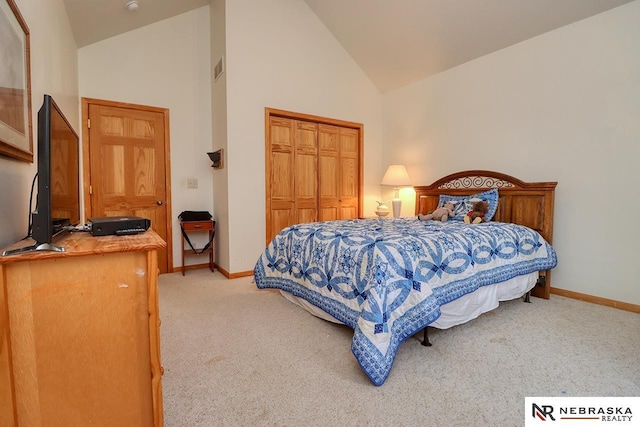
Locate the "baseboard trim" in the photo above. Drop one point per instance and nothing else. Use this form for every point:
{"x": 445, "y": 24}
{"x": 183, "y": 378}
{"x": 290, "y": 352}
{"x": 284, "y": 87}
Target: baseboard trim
{"x": 178, "y": 269}
{"x": 240, "y": 274}
{"x": 597, "y": 300}
{"x": 228, "y": 275}
{"x": 222, "y": 271}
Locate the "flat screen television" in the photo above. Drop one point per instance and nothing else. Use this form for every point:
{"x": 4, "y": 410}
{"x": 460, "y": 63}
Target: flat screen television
{"x": 58, "y": 201}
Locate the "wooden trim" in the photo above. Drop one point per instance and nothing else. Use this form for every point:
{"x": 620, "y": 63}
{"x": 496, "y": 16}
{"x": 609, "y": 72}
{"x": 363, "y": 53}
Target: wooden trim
{"x": 239, "y": 274}
{"x": 228, "y": 275}
{"x": 119, "y": 104}
{"x": 634, "y": 308}
{"x": 267, "y": 172}
{"x": 311, "y": 118}
{"x": 6, "y": 149}
{"x": 190, "y": 267}
{"x": 86, "y": 161}
{"x": 361, "y": 171}
{"x": 222, "y": 271}
{"x": 167, "y": 180}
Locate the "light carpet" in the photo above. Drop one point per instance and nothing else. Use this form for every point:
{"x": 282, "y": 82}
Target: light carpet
{"x": 234, "y": 355}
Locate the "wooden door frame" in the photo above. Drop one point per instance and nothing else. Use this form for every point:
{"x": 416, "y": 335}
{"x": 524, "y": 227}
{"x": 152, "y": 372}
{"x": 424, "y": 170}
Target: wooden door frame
{"x": 86, "y": 162}
{"x": 273, "y": 112}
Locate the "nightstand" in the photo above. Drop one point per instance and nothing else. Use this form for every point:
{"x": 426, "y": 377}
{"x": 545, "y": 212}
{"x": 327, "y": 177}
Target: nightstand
{"x": 198, "y": 226}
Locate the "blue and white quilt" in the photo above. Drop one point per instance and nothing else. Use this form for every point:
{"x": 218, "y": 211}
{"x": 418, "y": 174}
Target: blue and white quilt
{"x": 387, "y": 278}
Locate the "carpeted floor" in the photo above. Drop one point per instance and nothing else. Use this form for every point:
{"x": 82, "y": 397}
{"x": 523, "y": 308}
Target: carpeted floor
{"x": 235, "y": 355}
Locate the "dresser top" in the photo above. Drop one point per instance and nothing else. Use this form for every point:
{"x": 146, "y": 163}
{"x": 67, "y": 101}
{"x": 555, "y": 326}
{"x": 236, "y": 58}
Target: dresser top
{"x": 83, "y": 243}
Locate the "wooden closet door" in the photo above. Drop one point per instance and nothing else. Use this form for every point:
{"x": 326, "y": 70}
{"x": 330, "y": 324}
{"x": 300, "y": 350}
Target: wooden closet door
{"x": 313, "y": 169}
{"x": 293, "y": 174}
{"x": 339, "y": 173}
{"x": 349, "y": 173}
{"x": 280, "y": 198}
{"x": 328, "y": 167}
{"x": 306, "y": 172}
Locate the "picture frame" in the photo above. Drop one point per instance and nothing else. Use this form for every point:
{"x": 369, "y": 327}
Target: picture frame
{"x": 16, "y": 136}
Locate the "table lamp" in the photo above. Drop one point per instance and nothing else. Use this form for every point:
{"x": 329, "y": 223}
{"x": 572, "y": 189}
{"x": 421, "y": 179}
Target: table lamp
{"x": 397, "y": 177}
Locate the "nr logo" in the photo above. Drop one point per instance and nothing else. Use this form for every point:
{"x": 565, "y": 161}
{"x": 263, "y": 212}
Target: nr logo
{"x": 542, "y": 412}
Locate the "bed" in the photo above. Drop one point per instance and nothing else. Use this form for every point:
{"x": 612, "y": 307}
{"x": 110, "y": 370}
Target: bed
{"x": 390, "y": 278}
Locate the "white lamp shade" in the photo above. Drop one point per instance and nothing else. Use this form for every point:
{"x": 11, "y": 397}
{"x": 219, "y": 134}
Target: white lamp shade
{"x": 396, "y": 176}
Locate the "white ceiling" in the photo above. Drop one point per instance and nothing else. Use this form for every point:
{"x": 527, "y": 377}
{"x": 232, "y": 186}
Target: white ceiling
{"x": 96, "y": 20}
{"x": 395, "y": 42}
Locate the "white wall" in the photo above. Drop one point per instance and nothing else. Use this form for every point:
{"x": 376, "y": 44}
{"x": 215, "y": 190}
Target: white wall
{"x": 280, "y": 55}
{"x": 564, "y": 106}
{"x": 219, "y": 123}
{"x": 166, "y": 64}
{"x": 54, "y": 70}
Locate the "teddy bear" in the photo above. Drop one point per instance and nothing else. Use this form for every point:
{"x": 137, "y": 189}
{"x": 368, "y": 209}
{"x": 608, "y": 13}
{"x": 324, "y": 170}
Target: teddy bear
{"x": 477, "y": 213}
{"x": 441, "y": 214}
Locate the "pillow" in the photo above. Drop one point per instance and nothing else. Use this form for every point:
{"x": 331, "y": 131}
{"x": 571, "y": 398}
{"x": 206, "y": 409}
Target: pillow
{"x": 463, "y": 204}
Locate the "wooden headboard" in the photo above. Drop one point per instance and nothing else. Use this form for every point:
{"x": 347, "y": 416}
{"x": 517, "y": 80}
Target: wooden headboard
{"x": 524, "y": 203}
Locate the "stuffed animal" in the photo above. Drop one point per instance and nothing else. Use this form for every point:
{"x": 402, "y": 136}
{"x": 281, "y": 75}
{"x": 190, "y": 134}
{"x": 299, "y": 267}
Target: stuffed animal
{"x": 478, "y": 212}
{"x": 441, "y": 214}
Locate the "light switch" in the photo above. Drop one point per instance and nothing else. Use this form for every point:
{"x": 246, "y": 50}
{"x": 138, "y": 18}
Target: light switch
{"x": 192, "y": 182}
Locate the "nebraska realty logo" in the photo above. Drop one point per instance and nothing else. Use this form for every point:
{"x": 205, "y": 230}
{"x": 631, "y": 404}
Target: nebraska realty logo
{"x": 582, "y": 411}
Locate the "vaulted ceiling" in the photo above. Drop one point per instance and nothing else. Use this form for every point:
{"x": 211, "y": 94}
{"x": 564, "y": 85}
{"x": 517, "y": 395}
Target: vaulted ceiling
{"x": 96, "y": 20}
{"x": 395, "y": 42}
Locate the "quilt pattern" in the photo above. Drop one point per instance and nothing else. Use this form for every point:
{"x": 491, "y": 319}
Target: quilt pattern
{"x": 388, "y": 278}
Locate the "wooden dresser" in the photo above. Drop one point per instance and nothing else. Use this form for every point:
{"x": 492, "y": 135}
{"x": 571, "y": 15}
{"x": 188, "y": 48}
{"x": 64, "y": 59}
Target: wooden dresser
{"x": 79, "y": 333}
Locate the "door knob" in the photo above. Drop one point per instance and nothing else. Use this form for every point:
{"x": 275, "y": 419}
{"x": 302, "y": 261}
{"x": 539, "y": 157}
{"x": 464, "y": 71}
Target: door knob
{"x": 158, "y": 202}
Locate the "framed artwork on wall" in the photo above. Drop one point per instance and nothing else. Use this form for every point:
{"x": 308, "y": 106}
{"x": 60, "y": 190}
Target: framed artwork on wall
{"x": 16, "y": 139}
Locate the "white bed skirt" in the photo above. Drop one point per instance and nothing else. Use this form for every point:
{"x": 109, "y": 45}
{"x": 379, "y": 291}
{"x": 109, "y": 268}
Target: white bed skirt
{"x": 459, "y": 311}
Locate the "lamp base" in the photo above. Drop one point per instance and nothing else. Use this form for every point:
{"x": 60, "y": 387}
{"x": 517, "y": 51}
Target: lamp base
{"x": 397, "y": 207}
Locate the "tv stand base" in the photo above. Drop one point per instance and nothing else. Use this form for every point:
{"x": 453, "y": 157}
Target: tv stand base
{"x": 33, "y": 248}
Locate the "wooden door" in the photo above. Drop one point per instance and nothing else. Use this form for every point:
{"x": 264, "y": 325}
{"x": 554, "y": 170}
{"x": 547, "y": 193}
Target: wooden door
{"x": 128, "y": 159}
{"x": 328, "y": 167}
{"x": 280, "y": 200}
{"x": 306, "y": 172}
{"x": 339, "y": 173}
{"x": 292, "y": 174}
{"x": 313, "y": 169}
{"x": 349, "y": 173}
